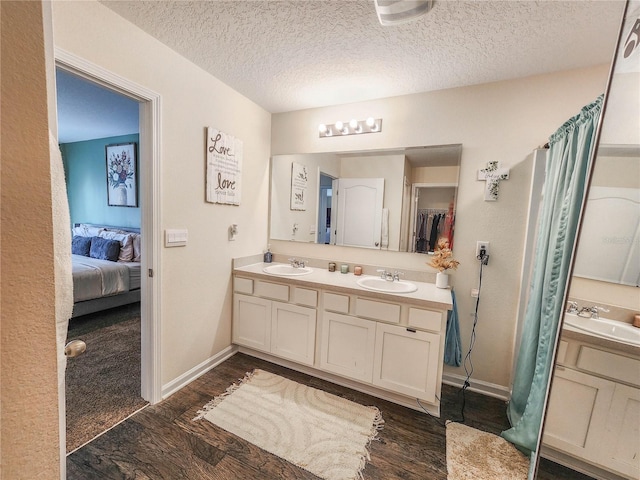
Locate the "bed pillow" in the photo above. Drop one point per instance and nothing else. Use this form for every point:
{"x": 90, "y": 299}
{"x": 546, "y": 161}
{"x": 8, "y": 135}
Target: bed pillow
{"x": 80, "y": 245}
{"x": 137, "y": 248}
{"x": 104, "y": 249}
{"x": 87, "y": 231}
{"x": 137, "y": 244}
{"x": 126, "y": 244}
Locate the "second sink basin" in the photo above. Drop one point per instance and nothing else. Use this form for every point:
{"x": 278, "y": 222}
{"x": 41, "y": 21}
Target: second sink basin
{"x": 286, "y": 270}
{"x": 380, "y": 285}
{"x": 603, "y": 327}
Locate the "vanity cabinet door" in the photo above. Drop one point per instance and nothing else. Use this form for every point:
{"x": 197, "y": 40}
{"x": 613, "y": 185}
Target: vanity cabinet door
{"x": 252, "y": 322}
{"x": 347, "y": 346}
{"x": 406, "y": 361}
{"x": 622, "y": 441}
{"x": 577, "y": 413}
{"x": 293, "y": 332}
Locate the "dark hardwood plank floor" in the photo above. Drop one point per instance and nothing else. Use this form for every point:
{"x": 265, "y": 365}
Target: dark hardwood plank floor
{"x": 163, "y": 441}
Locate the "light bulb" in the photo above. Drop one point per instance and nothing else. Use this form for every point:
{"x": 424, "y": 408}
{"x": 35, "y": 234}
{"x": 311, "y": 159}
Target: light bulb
{"x": 353, "y": 123}
{"x": 339, "y": 125}
{"x": 322, "y": 128}
{"x": 370, "y": 122}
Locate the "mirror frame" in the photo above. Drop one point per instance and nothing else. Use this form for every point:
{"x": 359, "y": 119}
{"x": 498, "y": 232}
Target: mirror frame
{"x": 533, "y": 471}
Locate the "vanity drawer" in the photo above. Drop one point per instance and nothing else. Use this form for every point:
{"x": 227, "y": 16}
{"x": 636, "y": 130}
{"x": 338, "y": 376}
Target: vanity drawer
{"x": 610, "y": 365}
{"x": 426, "y": 319}
{"x": 336, "y": 303}
{"x": 243, "y": 285}
{"x": 386, "y": 312}
{"x": 304, "y": 296}
{"x": 272, "y": 290}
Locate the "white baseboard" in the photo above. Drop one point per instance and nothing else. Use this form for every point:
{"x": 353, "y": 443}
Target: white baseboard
{"x": 189, "y": 376}
{"x": 486, "y": 388}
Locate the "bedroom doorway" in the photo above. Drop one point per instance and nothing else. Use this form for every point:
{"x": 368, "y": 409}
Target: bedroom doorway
{"x": 147, "y": 309}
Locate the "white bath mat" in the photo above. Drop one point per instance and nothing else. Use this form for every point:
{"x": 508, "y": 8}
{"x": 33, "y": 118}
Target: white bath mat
{"x": 322, "y": 433}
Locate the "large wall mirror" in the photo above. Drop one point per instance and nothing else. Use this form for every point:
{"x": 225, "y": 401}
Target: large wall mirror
{"x": 398, "y": 200}
{"x": 593, "y": 416}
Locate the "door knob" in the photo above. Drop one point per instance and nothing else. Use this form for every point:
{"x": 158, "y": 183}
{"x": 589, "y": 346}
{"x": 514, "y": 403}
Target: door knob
{"x": 75, "y": 348}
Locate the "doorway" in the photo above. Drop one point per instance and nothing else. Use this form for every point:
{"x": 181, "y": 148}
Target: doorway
{"x": 149, "y": 194}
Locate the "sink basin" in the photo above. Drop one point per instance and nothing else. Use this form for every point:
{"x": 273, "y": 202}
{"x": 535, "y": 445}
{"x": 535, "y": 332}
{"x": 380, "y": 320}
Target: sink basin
{"x": 604, "y": 328}
{"x": 286, "y": 270}
{"x": 380, "y": 285}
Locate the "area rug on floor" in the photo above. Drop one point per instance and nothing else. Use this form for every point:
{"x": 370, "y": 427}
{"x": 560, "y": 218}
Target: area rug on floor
{"x": 477, "y": 455}
{"x": 103, "y": 384}
{"x": 317, "y": 431}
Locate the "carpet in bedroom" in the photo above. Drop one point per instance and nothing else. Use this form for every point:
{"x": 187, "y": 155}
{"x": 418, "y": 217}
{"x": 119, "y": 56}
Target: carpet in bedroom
{"x": 103, "y": 384}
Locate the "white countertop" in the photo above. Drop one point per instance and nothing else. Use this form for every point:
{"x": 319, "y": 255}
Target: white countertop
{"x": 427, "y": 293}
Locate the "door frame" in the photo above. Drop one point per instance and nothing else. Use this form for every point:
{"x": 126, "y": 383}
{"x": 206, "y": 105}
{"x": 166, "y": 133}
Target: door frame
{"x": 150, "y": 185}
{"x": 415, "y": 195}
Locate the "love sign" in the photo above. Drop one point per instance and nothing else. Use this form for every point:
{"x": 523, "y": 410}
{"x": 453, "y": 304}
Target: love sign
{"x": 224, "y": 167}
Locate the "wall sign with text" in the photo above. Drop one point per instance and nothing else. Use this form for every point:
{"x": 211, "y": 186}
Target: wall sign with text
{"x": 299, "y": 178}
{"x": 224, "y": 168}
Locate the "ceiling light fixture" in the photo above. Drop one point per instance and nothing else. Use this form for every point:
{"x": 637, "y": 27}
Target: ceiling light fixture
{"x": 394, "y": 12}
{"x": 353, "y": 127}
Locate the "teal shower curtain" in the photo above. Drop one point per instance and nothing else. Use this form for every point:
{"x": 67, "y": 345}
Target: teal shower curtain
{"x": 567, "y": 170}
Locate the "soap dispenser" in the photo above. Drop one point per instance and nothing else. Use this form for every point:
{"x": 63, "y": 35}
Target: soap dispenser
{"x": 268, "y": 256}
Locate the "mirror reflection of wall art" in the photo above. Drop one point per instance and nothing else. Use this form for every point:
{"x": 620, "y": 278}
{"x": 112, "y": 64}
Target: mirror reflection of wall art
{"x": 224, "y": 167}
{"x": 122, "y": 175}
{"x": 299, "y": 178}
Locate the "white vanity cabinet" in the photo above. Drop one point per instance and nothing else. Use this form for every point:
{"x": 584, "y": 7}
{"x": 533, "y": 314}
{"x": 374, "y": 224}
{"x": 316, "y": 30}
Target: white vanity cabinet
{"x": 275, "y": 326}
{"x": 594, "y": 408}
{"x": 386, "y": 345}
{"x": 406, "y": 361}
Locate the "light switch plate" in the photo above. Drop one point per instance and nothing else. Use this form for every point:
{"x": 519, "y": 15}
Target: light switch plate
{"x": 175, "y": 237}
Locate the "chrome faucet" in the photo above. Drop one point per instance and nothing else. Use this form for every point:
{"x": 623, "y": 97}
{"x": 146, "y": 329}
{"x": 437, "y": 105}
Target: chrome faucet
{"x": 390, "y": 277}
{"x": 384, "y": 275}
{"x": 593, "y": 312}
{"x": 295, "y": 263}
{"x": 572, "y": 307}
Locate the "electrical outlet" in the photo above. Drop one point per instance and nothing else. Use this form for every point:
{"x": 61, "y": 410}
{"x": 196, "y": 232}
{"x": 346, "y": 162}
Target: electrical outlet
{"x": 481, "y": 245}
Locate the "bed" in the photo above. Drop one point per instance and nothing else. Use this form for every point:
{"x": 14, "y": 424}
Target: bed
{"x": 106, "y": 267}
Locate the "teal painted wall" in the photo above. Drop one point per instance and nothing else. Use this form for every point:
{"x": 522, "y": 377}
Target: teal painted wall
{"x": 86, "y": 170}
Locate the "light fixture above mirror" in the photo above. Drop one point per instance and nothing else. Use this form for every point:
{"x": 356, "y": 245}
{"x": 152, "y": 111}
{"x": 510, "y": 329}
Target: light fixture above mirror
{"x": 352, "y": 127}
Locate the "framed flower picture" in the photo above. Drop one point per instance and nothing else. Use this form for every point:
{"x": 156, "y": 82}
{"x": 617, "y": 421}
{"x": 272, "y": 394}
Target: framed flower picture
{"x": 122, "y": 175}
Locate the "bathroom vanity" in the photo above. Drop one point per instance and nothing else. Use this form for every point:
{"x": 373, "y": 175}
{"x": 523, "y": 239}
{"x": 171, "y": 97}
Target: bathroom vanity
{"x": 324, "y": 323}
{"x": 593, "y": 417}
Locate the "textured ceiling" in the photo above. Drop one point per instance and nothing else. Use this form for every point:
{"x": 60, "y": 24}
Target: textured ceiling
{"x": 290, "y": 55}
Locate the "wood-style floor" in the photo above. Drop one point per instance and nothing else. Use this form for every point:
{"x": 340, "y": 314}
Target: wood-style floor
{"x": 163, "y": 441}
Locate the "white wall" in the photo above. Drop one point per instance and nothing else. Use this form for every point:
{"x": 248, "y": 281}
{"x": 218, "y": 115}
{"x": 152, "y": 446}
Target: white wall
{"x": 196, "y": 279}
{"x": 283, "y": 221}
{"x": 502, "y": 121}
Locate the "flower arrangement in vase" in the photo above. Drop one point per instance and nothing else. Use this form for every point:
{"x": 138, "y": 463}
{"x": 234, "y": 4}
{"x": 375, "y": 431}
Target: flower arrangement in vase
{"x": 443, "y": 260}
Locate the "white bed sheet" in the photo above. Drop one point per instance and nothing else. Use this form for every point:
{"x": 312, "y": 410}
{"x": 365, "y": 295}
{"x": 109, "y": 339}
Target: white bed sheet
{"x": 94, "y": 278}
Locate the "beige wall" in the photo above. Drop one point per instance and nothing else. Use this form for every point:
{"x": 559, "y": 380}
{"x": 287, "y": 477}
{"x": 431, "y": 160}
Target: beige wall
{"x": 502, "y": 121}
{"x": 196, "y": 279}
{"x": 29, "y": 446}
